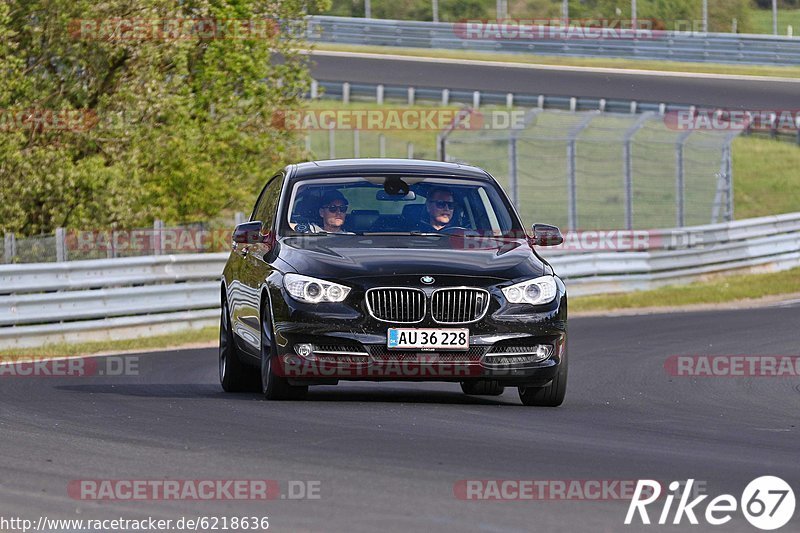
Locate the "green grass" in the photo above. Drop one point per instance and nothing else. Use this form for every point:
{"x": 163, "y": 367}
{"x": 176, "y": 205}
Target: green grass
{"x": 766, "y": 175}
{"x": 761, "y": 21}
{"x": 641, "y": 64}
{"x": 181, "y": 338}
{"x": 717, "y": 290}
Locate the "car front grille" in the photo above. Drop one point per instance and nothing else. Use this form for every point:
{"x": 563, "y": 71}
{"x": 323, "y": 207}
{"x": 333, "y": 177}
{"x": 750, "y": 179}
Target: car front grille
{"x": 382, "y": 354}
{"x": 459, "y": 305}
{"x": 397, "y": 305}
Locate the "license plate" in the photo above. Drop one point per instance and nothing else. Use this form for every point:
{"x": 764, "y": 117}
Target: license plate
{"x": 428, "y": 339}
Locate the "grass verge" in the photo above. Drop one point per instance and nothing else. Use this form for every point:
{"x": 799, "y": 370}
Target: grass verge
{"x": 722, "y": 289}
{"x": 181, "y": 338}
{"x": 761, "y": 21}
{"x": 629, "y": 64}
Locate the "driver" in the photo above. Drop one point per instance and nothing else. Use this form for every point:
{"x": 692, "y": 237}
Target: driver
{"x": 440, "y": 208}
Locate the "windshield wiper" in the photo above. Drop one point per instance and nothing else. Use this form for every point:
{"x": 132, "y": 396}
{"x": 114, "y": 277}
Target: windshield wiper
{"x": 400, "y": 233}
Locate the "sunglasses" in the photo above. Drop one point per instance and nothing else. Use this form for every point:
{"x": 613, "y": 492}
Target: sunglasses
{"x": 441, "y": 204}
{"x": 335, "y": 208}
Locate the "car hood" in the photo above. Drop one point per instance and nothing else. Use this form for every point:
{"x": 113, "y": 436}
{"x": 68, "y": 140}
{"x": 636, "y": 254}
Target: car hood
{"x": 350, "y": 256}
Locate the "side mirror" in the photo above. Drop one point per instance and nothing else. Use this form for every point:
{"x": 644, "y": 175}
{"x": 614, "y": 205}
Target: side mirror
{"x": 546, "y": 235}
{"x": 247, "y": 233}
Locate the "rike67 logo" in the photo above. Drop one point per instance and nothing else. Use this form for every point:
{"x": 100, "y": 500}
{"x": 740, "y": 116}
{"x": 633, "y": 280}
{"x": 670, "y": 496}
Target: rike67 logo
{"x": 767, "y": 502}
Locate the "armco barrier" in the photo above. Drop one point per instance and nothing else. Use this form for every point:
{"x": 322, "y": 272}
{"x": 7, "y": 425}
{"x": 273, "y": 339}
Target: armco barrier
{"x": 79, "y": 301}
{"x": 672, "y": 46}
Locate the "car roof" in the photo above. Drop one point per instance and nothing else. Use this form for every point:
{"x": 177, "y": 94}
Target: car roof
{"x": 379, "y": 166}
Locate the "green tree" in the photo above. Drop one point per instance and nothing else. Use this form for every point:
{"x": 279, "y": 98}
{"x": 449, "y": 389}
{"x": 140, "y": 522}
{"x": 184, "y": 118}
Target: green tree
{"x": 180, "y": 127}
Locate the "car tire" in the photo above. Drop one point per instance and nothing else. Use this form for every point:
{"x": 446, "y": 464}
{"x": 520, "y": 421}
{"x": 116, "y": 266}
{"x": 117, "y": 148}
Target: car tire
{"x": 482, "y": 388}
{"x": 273, "y": 386}
{"x": 234, "y": 376}
{"x": 551, "y": 395}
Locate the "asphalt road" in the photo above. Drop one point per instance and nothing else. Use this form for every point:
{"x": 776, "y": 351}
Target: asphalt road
{"x": 387, "y": 456}
{"x": 691, "y": 89}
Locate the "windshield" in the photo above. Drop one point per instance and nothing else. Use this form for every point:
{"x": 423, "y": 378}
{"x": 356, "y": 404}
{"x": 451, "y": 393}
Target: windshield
{"x": 395, "y": 204}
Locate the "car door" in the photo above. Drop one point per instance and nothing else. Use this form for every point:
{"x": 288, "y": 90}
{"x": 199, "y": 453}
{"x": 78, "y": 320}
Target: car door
{"x": 255, "y": 266}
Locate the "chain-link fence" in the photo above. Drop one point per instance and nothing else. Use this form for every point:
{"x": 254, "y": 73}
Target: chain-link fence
{"x": 75, "y": 245}
{"x": 593, "y": 170}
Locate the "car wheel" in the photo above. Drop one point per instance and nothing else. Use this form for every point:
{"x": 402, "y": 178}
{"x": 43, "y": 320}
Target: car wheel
{"x": 553, "y": 394}
{"x": 482, "y": 388}
{"x": 274, "y": 387}
{"x": 234, "y": 376}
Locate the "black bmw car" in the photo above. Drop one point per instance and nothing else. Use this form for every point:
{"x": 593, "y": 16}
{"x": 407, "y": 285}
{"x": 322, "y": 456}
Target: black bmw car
{"x": 380, "y": 269}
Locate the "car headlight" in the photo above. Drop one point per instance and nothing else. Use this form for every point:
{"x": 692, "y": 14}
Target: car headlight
{"x": 313, "y": 290}
{"x": 534, "y": 291}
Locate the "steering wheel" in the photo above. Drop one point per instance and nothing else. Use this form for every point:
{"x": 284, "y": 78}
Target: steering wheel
{"x": 459, "y": 230}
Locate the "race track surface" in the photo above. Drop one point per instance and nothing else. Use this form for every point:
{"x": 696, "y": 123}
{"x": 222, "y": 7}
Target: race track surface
{"x": 726, "y": 93}
{"x": 387, "y": 456}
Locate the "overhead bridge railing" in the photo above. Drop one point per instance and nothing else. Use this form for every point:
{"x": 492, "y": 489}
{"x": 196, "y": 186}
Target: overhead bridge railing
{"x": 79, "y": 301}
{"x": 654, "y": 45}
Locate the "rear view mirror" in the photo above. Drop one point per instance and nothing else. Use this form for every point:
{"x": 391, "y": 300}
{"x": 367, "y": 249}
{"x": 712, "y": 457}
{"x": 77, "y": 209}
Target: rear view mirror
{"x": 546, "y": 235}
{"x": 410, "y": 196}
{"x": 247, "y": 233}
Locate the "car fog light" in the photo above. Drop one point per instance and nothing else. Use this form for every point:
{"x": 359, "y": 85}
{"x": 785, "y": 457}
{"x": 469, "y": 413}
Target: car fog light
{"x": 543, "y": 351}
{"x": 303, "y": 350}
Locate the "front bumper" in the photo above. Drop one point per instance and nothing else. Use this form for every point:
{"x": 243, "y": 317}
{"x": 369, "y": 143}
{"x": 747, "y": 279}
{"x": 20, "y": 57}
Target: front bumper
{"x": 346, "y": 344}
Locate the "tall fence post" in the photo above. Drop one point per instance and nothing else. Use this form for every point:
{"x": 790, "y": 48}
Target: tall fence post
{"x": 61, "y": 245}
{"x": 572, "y": 181}
{"x": 9, "y": 247}
{"x": 680, "y": 173}
{"x": 512, "y": 169}
{"x": 158, "y": 237}
{"x": 331, "y": 142}
{"x": 627, "y": 162}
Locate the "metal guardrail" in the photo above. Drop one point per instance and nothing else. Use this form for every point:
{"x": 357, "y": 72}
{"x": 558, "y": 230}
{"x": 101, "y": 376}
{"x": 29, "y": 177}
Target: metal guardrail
{"x": 660, "y": 45}
{"x": 79, "y": 301}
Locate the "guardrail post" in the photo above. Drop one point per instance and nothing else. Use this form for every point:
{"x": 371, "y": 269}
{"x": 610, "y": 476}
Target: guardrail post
{"x": 314, "y": 89}
{"x": 410, "y": 150}
{"x": 540, "y": 101}
{"x": 602, "y": 105}
{"x": 379, "y": 94}
{"x": 411, "y": 96}
{"x": 158, "y": 237}
{"x": 510, "y": 100}
{"x": 331, "y": 142}
{"x": 512, "y": 169}
{"x": 61, "y": 245}
{"x": 382, "y": 145}
{"x": 476, "y": 99}
{"x": 356, "y": 143}
{"x": 345, "y": 93}
{"x": 573, "y": 104}
{"x": 445, "y": 96}
{"x": 9, "y": 247}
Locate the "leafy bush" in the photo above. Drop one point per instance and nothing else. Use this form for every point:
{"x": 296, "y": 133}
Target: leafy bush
{"x": 180, "y": 128}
